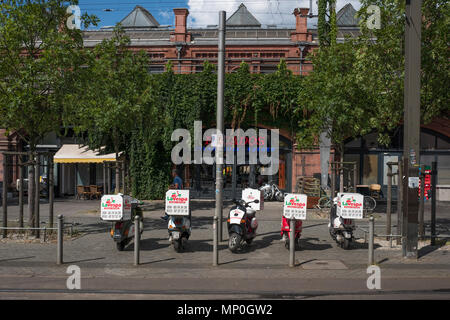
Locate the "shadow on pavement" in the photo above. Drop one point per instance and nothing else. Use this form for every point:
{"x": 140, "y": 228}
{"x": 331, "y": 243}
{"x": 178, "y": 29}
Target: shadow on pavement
{"x": 156, "y": 261}
{"x": 305, "y": 244}
{"x": 85, "y": 260}
{"x": 21, "y": 258}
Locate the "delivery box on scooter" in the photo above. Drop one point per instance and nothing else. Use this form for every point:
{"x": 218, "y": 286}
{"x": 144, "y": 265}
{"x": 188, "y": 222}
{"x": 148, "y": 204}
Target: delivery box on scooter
{"x": 350, "y": 205}
{"x": 295, "y": 206}
{"x": 249, "y": 195}
{"x": 177, "y": 202}
{"x": 116, "y": 208}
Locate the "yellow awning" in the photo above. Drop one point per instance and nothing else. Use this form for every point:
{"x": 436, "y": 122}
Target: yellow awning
{"x": 74, "y": 153}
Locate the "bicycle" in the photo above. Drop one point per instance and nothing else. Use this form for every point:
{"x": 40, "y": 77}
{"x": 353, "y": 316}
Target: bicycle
{"x": 324, "y": 203}
{"x": 369, "y": 203}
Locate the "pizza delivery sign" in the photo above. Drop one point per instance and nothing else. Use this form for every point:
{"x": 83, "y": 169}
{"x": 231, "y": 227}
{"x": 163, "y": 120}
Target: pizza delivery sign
{"x": 115, "y": 208}
{"x": 350, "y": 205}
{"x": 295, "y": 206}
{"x": 177, "y": 202}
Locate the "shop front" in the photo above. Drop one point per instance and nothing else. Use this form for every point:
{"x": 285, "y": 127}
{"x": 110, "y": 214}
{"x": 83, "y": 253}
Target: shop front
{"x": 371, "y": 158}
{"x": 243, "y": 173}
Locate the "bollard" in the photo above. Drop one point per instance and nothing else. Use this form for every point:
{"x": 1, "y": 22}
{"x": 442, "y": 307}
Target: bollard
{"x": 292, "y": 243}
{"x": 59, "y": 252}
{"x": 215, "y": 238}
{"x": 389, "y": 203}
{"x": 137, "y": 239}
{"x": 371, "y": 236}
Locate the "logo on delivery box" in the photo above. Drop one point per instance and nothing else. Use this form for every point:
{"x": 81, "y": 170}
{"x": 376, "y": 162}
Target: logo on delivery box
{"x": 351, "y": 203}
{"x": 110, "y": 204}
{"x": 295, "y": 203}
{"x": 176, "y": 197}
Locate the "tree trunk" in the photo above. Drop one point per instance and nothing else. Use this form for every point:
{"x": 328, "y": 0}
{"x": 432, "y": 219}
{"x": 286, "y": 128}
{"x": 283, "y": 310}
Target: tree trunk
{"x": 31, "y": 192}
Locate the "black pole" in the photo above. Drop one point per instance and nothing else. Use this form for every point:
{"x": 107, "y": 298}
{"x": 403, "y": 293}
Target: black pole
{"x": 433, "y": 202}
{"x": 21, "y": 192}
{"x": 389, "y": 203}
{"x": 400, "y": 201}
{"x": 5, "y": 195}
{"x": 421, "y": 202}
{"x": 37, "y": 195}
{"x": 333, "y": 181}
{"x": 50, "y": 190}
{"x": 104, "y": 178}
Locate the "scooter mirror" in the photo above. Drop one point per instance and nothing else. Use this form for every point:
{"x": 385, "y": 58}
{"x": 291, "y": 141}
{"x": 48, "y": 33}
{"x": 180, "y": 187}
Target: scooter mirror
{"x": 256, "y": 201}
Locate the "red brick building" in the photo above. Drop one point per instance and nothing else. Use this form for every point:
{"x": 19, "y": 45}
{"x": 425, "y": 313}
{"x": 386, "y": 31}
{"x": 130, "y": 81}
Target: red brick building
{"x": 262, "y": 47}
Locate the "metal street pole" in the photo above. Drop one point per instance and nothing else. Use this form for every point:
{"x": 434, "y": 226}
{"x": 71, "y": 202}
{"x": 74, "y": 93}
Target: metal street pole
{"x": 433, "y": 202}
{"x": 292, "y": 243}
{"x": 389, "y": 202}
{"x": 5, "y": 196}
{"x": 21, "y": 192}
{"x": 219, "y": 145}
{"x": 60, "y": 240}
{"x": 50, "y": 190}
{"x": 422, "y": 202}
{"x": 400, "y": 201}
{"x": 371, "y": 240}
{"x": 411, "y": 151}
{"x": 137, "y": 239}
{"x": 37, "y": 198}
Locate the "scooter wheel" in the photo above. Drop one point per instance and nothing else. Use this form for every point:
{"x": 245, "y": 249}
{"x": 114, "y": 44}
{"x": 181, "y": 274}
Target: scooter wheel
{"x": 120, "y": 245}
{"x": 234, "y": 242}
{"x": 286, "y": 244}
{"x": 346, "y": 244}
{"x": 177, "y": 245}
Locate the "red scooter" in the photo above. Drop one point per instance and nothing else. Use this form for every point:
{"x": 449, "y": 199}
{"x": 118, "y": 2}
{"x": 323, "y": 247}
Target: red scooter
{"x": 286, "y": 230}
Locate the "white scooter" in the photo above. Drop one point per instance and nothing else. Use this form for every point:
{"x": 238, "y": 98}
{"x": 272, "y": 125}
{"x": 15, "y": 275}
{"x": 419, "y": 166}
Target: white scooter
{"x": 341, "y": 230}
{"x": 179, "y": 228}
{"x": 242, "y": 224}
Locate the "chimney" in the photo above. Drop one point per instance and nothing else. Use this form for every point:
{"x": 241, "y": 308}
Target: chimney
{"x": 180, "y": 34}
{"x": 301, "y": 28}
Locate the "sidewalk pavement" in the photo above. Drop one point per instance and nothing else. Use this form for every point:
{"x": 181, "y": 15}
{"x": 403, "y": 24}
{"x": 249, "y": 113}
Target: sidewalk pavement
{"x": 321, "y": 266}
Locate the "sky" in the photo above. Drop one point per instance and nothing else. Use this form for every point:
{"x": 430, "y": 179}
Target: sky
{"x": 202, "y": 12}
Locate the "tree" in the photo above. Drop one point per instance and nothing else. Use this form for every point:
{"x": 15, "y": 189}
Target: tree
{"x": 115, "y": 90}
{"x": 40, "y": 62}
{"x": 357, "y": 87}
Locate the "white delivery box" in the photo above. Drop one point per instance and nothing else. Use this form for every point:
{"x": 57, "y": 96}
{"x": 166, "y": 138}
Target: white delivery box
{"x": 177, "y": 202}
{"x": 116, "y": 208}
{"x": 295, "y": 206}
{"x": 350, "y": 205}
{"x": 249, "y": 195}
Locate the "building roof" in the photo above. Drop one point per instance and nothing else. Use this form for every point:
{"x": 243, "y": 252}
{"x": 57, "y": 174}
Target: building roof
{"x": 139, "y": 18}
{"x": 243, "y": 29}
{"x": 346, "y": 17}
{"x": 243, "y": 18}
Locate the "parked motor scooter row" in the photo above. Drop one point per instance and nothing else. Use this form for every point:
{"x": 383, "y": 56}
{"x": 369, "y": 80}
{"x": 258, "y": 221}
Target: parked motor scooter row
{"x": 242, "y": 225}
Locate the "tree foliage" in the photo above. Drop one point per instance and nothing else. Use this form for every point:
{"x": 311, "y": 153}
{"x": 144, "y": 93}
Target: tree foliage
{"x": 39, "y": 65}
{"x": 357, "y": 86}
